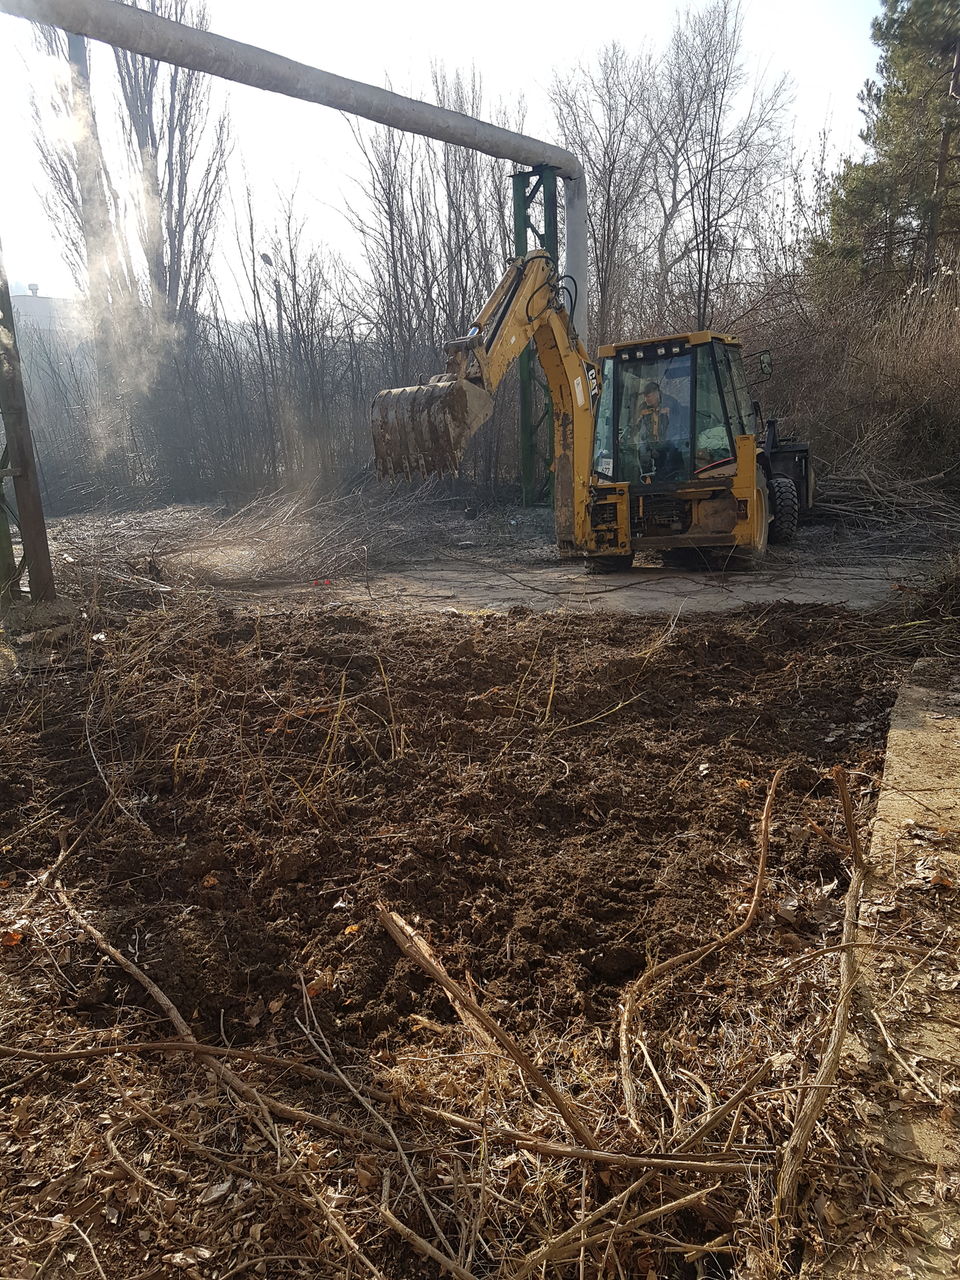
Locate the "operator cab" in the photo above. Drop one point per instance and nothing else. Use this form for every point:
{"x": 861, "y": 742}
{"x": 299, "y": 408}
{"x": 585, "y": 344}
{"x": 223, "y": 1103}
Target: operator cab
{"x": 669, "y": 410}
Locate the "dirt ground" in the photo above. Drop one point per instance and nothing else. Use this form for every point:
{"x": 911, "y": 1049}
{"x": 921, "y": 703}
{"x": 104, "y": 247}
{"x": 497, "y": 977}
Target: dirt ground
{"x": 650, "y": 588}
{"x": 554, "y": 801}
{"x": 434, "y": 553}
{"x": 229, "y": 785}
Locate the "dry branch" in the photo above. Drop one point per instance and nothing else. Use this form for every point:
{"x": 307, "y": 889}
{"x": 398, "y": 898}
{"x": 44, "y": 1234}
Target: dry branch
{"x": 650, "y": 976}
{"x": 414, "y": 948}
{"x": 497, "y": 1134}
{"x": 573, "y": 1237}
{"x": 263, "y": 1104}
{"x": 46, "y": 878}
{"x": 713, "y": 1118}
{"x": 791, "y": 1167}
{"x": 422, "y": 1246}
{"x": 699, "y": 1162}
{"x": 314, "y": 1197}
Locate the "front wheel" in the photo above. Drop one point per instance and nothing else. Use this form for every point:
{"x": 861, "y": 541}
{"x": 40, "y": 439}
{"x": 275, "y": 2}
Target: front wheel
{"x": 751, "y": 555}
{"x": 608, "y": 564}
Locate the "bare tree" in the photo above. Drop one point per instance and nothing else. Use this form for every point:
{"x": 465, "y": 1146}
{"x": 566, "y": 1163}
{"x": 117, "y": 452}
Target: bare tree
{"x": 679, "y": 149}
{"x": 83, "y": 200}
{"x": 723, "y": 156}
{"x": 434, "y": 233}
{"x": 86, "y": 209}
{"x": 179, "y": 151}
{"x": 600, "y": 112}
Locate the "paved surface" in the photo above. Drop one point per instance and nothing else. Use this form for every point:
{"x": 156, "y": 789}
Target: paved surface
{"x": 905, "y": 1035}
{"x": 484, "y": 584}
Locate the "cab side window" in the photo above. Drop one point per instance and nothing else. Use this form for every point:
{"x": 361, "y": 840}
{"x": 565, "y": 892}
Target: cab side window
{"x": 713, "y": 441}
{"x": 734, "y": 389}
{"x": 741, "y": 390}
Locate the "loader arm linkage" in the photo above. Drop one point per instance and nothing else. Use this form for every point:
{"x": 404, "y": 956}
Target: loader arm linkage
{"x": 426, "y": 429}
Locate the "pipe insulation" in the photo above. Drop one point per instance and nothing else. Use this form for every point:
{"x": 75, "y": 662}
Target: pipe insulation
{"x": 144, "y": 33}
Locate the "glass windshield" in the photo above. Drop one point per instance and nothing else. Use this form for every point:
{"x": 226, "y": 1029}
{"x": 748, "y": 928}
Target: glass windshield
{"x": 653, "y": 418}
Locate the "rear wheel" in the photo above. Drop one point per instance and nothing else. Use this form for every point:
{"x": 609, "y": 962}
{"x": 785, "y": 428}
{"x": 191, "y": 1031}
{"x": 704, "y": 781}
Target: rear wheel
{"x": 609, "y": 564}
{"x": 786, "y": 509}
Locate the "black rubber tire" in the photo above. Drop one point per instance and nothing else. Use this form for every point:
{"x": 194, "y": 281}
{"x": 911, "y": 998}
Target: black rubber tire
{"x": 609, "y": 564}
{"x": 786, "y": 509}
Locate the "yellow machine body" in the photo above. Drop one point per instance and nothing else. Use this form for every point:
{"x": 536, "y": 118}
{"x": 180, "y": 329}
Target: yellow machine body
{"x": 681, "y": 467}
{"x": 713, "y": 491}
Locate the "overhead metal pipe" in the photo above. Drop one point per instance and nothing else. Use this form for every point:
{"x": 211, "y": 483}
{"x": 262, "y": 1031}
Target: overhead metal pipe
{"x": 144, "y": 33}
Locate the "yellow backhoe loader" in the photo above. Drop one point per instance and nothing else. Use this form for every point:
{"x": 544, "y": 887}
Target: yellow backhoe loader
{"x": 658, "y": 447}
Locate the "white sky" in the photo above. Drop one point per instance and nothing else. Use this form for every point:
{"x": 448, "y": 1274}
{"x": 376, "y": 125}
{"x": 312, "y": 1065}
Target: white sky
{"x": 281, "y": 145}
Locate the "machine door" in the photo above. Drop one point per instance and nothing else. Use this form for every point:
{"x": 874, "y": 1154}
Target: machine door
{"x": 736, "y": 393}
{"x": 714, "y": 453}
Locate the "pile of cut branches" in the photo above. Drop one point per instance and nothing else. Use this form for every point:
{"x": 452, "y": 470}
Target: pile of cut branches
{"x": 886, "y": 512}
{"x": 279, "y": 539}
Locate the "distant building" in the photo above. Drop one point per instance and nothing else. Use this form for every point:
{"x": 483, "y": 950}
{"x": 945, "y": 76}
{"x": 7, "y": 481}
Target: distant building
{"x": 64, "y": 317}
{"x": 59, "y": 375}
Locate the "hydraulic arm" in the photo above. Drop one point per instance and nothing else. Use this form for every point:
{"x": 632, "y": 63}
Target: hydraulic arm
{"x": 667, "y": 457}
{"x": 426, "y": 429}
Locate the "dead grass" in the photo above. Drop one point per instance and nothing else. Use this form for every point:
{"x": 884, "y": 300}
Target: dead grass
{"x": 134, "y": 557}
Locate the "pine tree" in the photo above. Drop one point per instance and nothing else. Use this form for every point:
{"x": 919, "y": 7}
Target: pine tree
{"x": 894, "y": 217}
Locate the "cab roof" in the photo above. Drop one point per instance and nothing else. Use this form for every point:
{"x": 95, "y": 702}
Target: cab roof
{"x": 691, "y": 339}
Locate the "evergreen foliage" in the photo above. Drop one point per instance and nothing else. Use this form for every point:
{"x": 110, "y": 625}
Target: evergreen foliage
{"x": 894, "y": 218}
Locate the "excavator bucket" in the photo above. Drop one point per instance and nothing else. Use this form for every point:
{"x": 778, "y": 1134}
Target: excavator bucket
{"x": 425, "y": 429}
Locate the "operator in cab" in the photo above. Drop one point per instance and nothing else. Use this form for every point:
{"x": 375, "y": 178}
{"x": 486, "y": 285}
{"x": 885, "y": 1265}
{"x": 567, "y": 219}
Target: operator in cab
{"x": 655, "y": 435}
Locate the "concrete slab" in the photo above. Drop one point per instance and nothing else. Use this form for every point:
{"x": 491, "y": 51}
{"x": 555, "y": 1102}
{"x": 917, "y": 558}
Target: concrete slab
{"x": 903, "y": 1050}
{"x": 474, "y": 584}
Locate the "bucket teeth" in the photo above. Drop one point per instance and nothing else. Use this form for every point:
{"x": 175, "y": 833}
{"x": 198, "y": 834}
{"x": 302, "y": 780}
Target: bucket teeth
{"x": 425, "y": 429}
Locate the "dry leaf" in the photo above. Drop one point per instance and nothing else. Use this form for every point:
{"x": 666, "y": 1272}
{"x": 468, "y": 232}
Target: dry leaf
{"x": 322, "y": 982}
{"x": 10, "y": 938}
{"x": 188, "y": 1257}
{"x": 367, "y": 1174}
{"x": 217, "y": 1191}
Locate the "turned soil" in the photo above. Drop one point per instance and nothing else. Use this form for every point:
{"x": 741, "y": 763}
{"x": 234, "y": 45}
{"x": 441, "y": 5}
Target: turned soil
{"x": 555, "y": 801}
{"x": 549, "y": 797}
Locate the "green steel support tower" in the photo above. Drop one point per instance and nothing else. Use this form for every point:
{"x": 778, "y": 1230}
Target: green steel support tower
{"x": 538, "y": 185}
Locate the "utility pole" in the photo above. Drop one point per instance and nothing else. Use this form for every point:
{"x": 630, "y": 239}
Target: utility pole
{"x": 23, "y": 465}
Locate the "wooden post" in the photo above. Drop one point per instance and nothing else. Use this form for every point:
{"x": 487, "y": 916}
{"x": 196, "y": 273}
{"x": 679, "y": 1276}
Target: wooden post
{"x": 9, "y": 570}
{"x": 13, "y": 409}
